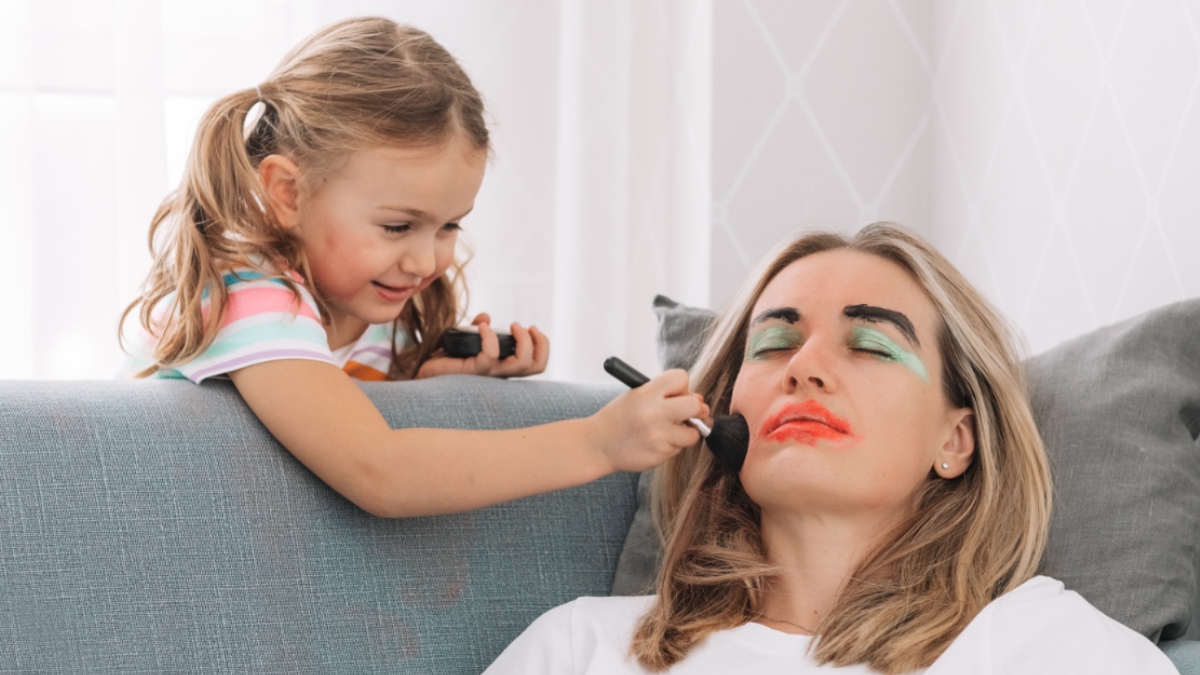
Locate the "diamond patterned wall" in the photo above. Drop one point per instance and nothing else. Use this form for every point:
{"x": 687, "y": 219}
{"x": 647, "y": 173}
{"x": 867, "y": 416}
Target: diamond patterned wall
{"x": 1050, "y": 148}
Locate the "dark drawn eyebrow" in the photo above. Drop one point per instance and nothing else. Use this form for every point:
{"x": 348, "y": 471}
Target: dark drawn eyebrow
{"x": 874, "y": 314}
{"x": 788, "y": 314}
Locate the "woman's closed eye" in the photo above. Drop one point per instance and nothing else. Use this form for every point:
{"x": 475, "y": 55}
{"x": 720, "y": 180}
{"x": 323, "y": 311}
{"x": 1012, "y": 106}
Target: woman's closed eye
{"x": 878, "y": 345}
{"x": 772, "y": 340}
{"x": 451, "y": 227}
{"x": 869, "y": 341}
{"x": 874, "y": 348}
{"x": 396, "y": 228}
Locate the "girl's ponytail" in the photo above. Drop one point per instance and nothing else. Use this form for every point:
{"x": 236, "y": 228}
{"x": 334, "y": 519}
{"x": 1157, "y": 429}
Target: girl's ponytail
{"x": 213, "y": 222}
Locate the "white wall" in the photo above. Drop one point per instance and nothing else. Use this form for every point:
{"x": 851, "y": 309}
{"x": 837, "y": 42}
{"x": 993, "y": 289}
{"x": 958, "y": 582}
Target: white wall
{"x": 1050, "y": 148}
{"x": 1067, "y": 157}
{"x": 820, "y": 120}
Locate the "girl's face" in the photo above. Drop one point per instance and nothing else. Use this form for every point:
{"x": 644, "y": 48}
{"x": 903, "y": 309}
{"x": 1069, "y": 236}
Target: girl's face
{"x": 841, "y": 385}
{"x": 383, "y": 228}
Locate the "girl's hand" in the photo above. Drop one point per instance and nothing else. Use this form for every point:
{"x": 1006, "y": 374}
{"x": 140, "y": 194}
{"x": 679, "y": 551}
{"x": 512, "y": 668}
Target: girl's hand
{"x": 532, "y": 353}
{"x": 645, "y": 427}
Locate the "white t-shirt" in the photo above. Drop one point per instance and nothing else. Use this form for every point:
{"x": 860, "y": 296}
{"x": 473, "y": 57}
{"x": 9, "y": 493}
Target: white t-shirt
{"x": 1038, "y": 627}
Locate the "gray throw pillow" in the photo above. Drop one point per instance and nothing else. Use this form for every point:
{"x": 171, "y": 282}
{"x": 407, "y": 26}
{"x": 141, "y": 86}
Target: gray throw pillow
{"x": 1119, "y": 411}
{"x": 682, "y": 331}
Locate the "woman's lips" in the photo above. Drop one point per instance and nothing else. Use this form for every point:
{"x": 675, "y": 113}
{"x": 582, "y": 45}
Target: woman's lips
{"x": 393, "y": 293}
{"x": 806, "y": 422}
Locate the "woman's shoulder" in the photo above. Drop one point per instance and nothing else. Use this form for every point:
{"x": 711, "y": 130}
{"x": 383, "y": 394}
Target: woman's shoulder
{"x": 1042, "y": 627}
{"x": 589, "y": 630}
{"x": 596, "y": 617}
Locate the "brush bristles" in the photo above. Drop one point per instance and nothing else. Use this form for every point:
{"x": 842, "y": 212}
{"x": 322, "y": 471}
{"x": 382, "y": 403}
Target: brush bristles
{"x": 729, "y": 440}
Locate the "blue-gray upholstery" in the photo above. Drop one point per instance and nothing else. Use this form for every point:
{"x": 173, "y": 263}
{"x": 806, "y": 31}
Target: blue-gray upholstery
{"x": 154, "y": 527}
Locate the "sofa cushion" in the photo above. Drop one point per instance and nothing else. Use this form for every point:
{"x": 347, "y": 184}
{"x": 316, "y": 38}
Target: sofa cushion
{"x": 157, "y": 527}
{"x": 1119, "y": 411}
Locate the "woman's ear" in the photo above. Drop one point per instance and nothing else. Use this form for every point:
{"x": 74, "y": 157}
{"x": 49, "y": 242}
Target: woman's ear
{"x": 280, "y": 178}
{"x": 958, "y": 449}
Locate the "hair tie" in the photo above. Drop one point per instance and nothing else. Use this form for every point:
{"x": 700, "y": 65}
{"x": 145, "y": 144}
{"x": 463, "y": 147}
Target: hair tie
{"x": 254, "y": 114}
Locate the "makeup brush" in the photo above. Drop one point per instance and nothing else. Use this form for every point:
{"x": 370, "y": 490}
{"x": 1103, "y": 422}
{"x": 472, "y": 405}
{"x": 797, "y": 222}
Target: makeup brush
{"x": 729, "y": 437}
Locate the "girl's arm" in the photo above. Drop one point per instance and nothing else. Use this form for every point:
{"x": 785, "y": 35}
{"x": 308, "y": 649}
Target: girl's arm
{"x": 319, "y": 414}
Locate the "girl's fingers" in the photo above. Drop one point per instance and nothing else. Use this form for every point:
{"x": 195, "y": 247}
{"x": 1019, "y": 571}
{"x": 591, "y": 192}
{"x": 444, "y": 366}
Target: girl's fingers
{"x": 518, "y": 363}
{"x": 524, "y": 352}
{"x": 541, "y": 350}
{"x": 680, "y": 408}
{"x": 486, "y": 359}
{"x": 669, "y": 383}
{"x": 482, "y": 318}
{"x": 685, "y": 436}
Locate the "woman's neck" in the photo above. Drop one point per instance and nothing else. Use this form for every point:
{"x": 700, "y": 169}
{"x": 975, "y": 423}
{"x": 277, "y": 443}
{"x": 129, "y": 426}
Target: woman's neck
{"x": 816, "y": 556}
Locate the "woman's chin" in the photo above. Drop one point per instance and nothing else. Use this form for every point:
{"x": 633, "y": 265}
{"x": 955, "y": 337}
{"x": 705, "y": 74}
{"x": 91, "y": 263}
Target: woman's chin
{"x": 767, "y": 477}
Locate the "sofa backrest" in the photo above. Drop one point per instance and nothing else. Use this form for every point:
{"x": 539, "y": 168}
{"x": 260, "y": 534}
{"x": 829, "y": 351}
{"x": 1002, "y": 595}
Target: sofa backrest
{"x": 158, "y": 527}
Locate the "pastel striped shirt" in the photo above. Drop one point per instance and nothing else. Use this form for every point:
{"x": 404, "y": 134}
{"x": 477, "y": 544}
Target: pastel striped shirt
{"x": 265, "y": 321}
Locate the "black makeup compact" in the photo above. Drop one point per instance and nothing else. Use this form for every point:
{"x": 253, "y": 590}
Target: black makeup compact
{"x": 465, "y": 342}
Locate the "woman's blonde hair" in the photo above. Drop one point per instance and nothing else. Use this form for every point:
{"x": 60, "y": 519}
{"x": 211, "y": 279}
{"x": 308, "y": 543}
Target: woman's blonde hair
{"x": 969, "y": 540}
{"x": 357, "y": 84}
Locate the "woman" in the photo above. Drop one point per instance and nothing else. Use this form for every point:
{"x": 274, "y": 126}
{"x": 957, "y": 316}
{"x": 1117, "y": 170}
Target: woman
{"x": 892, "y": 508}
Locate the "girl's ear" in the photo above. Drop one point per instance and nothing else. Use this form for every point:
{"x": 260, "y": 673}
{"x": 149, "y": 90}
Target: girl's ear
{"x": 280, "y": 178}
{"x": 958, "y": 449}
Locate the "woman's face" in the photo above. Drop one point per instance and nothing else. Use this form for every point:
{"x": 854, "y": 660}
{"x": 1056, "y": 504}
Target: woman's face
{"x": 841, "y": 385}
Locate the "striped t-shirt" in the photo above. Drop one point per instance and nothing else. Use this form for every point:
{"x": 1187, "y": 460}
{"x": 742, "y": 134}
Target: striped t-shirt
{"x": 265, "y": 321}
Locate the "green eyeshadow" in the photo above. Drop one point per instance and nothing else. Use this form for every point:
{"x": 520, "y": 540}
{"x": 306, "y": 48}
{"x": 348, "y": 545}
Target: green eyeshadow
{"x": 772, "y": 337}
{"x": 869, "y": 338}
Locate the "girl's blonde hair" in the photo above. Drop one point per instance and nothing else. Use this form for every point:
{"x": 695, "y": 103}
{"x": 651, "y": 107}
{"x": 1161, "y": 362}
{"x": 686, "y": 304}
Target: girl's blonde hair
{"x": 969, "y": 540}
{"x": 354, "y": 85}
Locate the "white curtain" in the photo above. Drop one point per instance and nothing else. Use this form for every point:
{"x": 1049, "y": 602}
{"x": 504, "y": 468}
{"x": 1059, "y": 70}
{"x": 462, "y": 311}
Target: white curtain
{"x": 597, "y": 197}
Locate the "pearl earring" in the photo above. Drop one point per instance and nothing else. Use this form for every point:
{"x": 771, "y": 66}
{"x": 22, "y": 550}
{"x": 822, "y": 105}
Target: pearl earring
{"x": 945, "y": 465}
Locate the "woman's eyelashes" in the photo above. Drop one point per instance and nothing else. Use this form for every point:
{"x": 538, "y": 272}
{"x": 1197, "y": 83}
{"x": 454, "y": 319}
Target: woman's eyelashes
{"x": 770, "y": 340}
{"x": 878, "y": 345}
{"x": 873, "y": 342}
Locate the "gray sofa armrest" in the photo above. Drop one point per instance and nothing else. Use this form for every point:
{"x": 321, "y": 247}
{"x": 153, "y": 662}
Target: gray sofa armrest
{"x": 157, "y": 527}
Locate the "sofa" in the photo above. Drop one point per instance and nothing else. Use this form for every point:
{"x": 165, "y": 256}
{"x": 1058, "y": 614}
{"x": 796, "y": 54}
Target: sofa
{"x": 156, "y": 527}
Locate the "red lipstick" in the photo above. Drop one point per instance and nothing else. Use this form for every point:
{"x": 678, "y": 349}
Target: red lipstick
{"x": 806, "y": 422}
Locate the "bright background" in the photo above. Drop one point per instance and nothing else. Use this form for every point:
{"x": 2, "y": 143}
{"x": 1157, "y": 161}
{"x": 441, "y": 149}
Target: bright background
{"x": 1050, "y": 148}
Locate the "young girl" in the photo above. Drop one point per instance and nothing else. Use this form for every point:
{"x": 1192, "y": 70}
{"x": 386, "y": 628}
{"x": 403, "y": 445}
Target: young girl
{"x": 315, "y": 244}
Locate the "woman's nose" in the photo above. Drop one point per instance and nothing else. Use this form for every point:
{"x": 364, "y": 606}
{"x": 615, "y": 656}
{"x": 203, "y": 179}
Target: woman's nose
{"x": 806, "y": 369}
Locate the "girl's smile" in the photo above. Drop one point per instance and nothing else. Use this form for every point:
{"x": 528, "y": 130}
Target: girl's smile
{"x": 395, "y": 294}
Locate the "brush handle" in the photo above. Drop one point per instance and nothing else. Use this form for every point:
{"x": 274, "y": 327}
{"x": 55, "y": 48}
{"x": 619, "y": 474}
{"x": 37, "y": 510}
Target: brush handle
{"x": 627, "y": 374}
{"x": 630, "y": 377}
